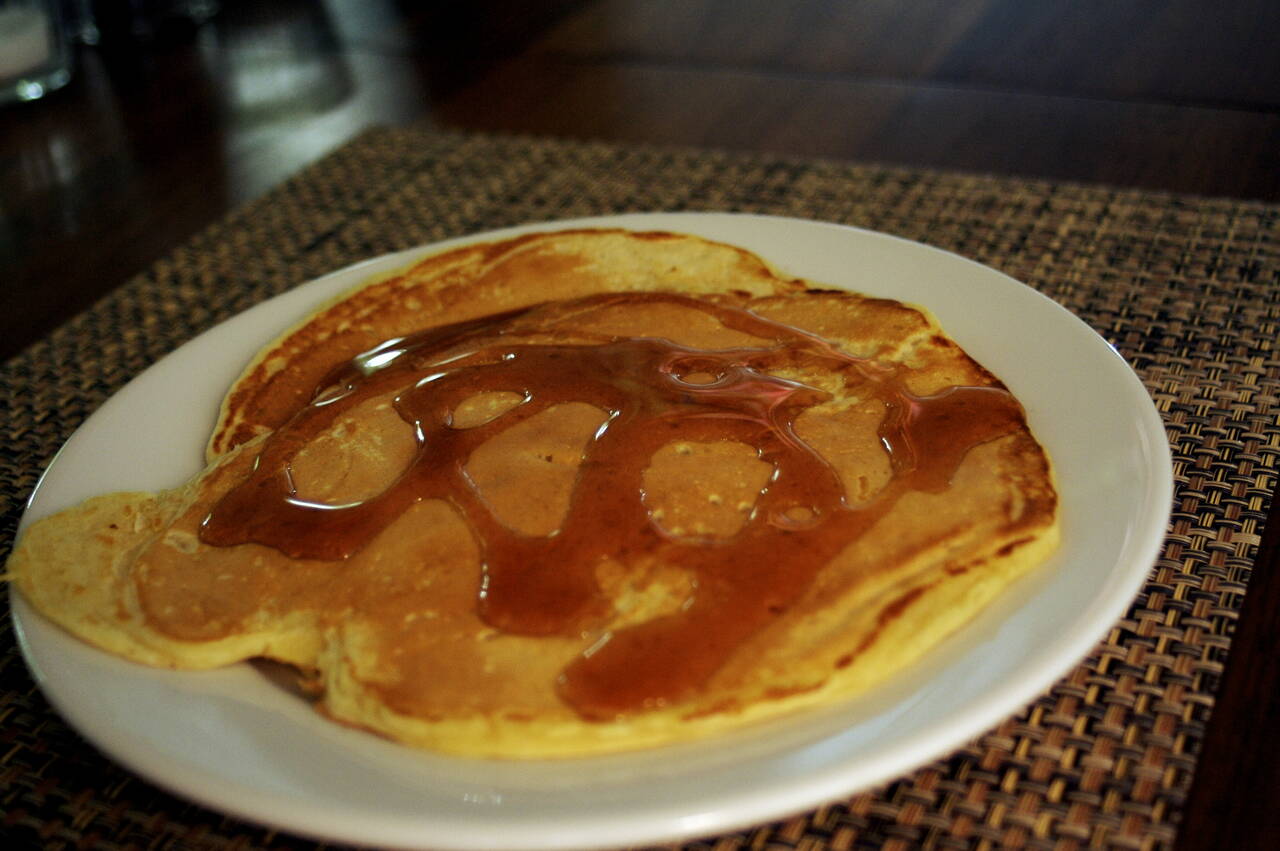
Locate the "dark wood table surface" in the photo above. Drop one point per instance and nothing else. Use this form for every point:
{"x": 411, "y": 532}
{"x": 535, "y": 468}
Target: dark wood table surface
{"x": 168, "y": 124}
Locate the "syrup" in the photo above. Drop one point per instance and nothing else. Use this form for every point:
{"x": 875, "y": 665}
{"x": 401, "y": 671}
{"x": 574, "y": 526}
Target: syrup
{"x": 653, "y": 392}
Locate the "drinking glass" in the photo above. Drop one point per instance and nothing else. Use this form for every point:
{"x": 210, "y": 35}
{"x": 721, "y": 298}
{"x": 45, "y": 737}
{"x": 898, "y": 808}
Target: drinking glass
{"x": 35, "y": 58}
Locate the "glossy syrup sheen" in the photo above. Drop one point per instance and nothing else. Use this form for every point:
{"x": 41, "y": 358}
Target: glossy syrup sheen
{"x": 653, "y": 392}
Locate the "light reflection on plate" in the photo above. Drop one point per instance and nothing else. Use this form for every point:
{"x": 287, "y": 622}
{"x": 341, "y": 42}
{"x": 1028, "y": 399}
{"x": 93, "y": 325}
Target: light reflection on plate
{"x": 233, "y": 740}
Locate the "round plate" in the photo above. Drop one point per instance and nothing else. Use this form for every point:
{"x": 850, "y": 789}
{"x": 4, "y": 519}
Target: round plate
{"x": 234, "y": 741}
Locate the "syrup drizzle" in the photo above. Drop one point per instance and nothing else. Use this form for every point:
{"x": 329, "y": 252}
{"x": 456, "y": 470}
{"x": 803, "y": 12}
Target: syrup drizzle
{"x": 654, "y": 392}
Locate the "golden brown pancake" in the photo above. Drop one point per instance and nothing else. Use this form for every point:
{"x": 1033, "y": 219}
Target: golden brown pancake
{"x": 474, "y": 281}
{"x": 600, "y": 491}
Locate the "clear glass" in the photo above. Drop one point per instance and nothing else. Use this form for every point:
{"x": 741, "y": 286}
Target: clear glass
{"x": 35, "y": 58}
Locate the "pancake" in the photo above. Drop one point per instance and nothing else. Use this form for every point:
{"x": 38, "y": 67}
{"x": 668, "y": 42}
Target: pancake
{"x": 571, "y": 494}
{"x": 474, "y": 281}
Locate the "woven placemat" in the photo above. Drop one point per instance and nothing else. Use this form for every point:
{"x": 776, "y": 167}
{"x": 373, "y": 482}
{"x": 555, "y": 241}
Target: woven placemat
{"x": 1187, "y": 289}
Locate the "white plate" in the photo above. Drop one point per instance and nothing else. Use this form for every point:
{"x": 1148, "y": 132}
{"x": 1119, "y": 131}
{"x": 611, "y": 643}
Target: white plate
{"x": 235, "y": 742}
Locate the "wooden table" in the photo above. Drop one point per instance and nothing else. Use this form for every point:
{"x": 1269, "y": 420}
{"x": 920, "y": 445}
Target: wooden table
{"x": 159, "y": 136}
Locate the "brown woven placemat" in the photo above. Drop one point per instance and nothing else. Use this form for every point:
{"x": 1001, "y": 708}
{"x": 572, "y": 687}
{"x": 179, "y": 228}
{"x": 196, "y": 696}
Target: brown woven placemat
{"x": 1187, "y": 289}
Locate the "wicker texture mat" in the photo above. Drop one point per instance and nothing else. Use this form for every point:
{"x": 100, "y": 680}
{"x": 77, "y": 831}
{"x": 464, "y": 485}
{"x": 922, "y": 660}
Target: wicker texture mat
{"x": 1187, "y": 289}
